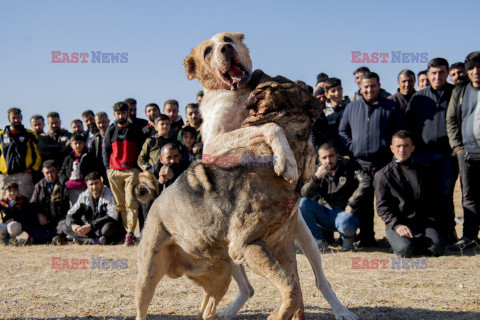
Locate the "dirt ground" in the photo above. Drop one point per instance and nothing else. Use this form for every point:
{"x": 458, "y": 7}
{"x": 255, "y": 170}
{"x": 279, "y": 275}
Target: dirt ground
{"x": 33, "y": 287}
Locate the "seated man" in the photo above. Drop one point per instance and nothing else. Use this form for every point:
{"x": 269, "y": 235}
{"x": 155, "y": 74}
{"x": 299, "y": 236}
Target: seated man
{"x": 403, "y": 203}
{"x": 341, "y": 186}
{"x": 50, "y": 202}
{"x": 93, "y": 219}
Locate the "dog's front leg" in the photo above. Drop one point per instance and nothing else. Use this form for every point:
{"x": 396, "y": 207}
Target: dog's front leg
{"x": 306, "y": 241}
{"x": 270, "y": 133}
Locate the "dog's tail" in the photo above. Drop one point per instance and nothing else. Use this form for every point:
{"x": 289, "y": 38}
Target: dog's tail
{"x": 147, "y": 189}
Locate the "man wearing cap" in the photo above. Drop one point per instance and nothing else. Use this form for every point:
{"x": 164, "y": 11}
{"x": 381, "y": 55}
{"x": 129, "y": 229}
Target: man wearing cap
{"x": 463, "y": 129}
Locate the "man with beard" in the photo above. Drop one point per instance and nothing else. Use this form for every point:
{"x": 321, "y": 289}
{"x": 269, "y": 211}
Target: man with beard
{"x": 194, "y": 120}
{"x": 132, "y": 114}
{"x": 123, "y": 141}
{"x": 89, "y": 119}
{"x": 170, "y": 108}
{"x": 54, "y": 144}
{"x": 457, "y": 73}
{"x": 96, "y": 144}
{"x": 37, "y": 123}
{"x": 463, "y": 129}
{"x": 152, "y": 111}
{"x": 406, "y": 88}
{"x": 19, "y": 157}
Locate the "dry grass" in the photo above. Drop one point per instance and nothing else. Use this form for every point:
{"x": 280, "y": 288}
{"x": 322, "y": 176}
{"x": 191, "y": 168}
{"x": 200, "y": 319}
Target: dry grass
{"x": 30, "y": 288}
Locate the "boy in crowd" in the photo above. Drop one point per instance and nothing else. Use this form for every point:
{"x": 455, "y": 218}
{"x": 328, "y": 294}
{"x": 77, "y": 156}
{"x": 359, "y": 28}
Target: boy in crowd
{"x": 76, "y": 166}
{"x": 334, "y": 108}
{"x": 13, "y": 209}
{"x": 194, "y": 120}
{"x": 93, "y": 219}
{"x": 170, "y": 108}
{"x": 341, "y": 186}
{"x": 150, "y": 154}
{"x": 187, "y": 141}
{"x": 423, "y": 80}
{"x": 403, "y": 197}
{"x": 50, "y": 202}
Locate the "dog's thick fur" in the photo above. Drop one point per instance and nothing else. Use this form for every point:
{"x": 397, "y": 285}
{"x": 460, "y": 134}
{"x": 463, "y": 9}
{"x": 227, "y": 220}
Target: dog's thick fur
{"x": 223, "y": 67}
{"x": 212, "y": 215}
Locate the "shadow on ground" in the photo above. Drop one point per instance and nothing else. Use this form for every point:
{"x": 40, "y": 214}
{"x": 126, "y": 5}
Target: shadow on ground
{"x": 367, "y": 313}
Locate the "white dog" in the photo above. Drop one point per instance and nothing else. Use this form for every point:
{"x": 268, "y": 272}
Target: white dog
{"x": 223, "y": 67}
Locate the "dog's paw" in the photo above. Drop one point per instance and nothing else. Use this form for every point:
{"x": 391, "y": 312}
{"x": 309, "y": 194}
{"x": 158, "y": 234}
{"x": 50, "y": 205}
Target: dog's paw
{"x": 286, "y": 167}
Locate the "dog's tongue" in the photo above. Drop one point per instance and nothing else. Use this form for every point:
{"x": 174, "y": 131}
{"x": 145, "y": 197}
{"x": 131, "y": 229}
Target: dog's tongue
{"x": 235, "y": 73}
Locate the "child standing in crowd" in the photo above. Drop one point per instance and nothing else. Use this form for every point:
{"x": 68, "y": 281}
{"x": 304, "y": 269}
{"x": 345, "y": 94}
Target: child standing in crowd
{"x": 13, "y": 209}
{"x": 188, "y": 139}
{"x": 334, "y": 108}
{"x": 75, "y": 168}
{"x": 151, "y": 148}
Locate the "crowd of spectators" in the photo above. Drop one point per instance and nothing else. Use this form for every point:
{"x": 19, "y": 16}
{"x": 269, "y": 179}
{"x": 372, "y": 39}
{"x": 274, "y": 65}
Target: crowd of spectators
{"x": 399, "y": 154}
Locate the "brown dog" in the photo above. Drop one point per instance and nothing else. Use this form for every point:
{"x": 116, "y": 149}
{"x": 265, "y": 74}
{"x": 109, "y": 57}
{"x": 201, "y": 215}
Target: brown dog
{"x": 215, "y": 214}
{"x": 223, "y": 67}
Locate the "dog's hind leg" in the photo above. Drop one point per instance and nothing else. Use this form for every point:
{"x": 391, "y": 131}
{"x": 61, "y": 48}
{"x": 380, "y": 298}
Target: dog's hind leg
{"x": 245, "y": 291}
{"x": 257, "y": 256}
{"x": 306, "y": 241}
{"x": 215, "y": 285}
{"x": 153, "y": 264}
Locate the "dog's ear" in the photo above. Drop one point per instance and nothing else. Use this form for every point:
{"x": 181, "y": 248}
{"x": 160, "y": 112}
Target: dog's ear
{"x": 190, "y": 67}
{"x": 240, "y": 36}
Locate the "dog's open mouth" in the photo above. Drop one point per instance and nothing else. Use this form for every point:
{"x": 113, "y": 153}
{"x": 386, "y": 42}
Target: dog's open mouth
{"x": 236, "y": 75}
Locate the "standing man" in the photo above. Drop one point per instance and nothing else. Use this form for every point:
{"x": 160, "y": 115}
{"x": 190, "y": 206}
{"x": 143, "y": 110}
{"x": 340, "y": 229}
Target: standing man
{"x": 123, "y": 141}
{"x": 132, "y": 114}
{"x": 89, "y": 119}
{"x": 425, "y": 120}
{"x": 463, "y": 129}
{"x": 457, "y": 73}
{"x": 96, "y": 144}
{"x": 37, "y": 123}
{"x": 54, "y": 144}
{"x": 152, "y": 111}
{"x": 170, "y": 108}
{"x": 366, "y": 130}
{"x": 19, "y": 157}
{"x": 358, "y": 74}
{"x": 406, "y": 89}
{"x": 403, "y": 198}
{"x": 194, "y": 120}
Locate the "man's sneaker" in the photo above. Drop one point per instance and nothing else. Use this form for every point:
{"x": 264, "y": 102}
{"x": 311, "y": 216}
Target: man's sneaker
{"x": 463, "y": 244}
{"x": 58, "y": 240}
{"x": 102, "y": 241}
{"x": 129, "y": 239}
{"x": 323, "y": 246}
{"x": 347, "y": 244}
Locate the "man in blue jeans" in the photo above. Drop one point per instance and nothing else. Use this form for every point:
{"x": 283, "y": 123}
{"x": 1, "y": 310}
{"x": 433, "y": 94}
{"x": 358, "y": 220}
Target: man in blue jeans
{"x": 341, "y": 186}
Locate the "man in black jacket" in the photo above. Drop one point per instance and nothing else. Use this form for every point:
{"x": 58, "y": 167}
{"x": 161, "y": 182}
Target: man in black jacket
{"x": 341, "y": 186}
{"x": 406, "y": 89}
{"x": 463, "y": 129}
{"x": 403, "y": 201}
{"x": 426, "y": 121}
{"x": 93, "y": 219}
{"x": 366, "y": 129}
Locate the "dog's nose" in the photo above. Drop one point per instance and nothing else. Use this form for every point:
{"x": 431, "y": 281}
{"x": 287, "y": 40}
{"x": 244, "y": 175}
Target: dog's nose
{"x": 227, "y": 48}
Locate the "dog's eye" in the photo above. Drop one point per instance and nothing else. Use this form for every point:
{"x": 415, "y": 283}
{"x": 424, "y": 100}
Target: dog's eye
{"x": 207, "y": 51}
{"x": 227, "y": 39}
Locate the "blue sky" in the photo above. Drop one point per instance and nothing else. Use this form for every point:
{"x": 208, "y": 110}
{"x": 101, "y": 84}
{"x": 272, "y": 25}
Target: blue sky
{"x": 297, "y": 39}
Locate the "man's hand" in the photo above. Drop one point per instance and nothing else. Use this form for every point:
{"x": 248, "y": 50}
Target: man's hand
{"x": 321, "y": 171}
{"x": 196, "y": 147}
{"x": 349, "y": 209}
{"x": 76, "y": 228}
{"x": 42, "y": 219}
{"x": 165, "y": 174}
{"x": 85, "y": 229}
{"x": 404, "y": 231}
{"x": 460, "y": 150}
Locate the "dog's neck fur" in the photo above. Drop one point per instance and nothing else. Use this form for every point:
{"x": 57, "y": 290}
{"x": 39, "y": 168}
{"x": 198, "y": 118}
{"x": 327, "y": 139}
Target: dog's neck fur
{"x": 217, "y": 106}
